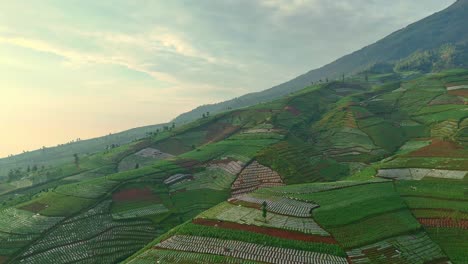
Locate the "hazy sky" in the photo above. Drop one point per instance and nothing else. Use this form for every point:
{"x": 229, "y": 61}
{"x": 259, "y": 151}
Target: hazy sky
{"x": 85, "y": 68}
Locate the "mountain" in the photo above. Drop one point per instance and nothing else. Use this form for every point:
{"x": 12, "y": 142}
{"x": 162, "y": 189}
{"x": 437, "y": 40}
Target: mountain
{"x": 369, "y": 169}
{"x": 445, "y": 27}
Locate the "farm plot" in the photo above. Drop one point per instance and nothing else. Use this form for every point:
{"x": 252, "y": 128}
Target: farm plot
{"x": 177, "y": 178}
{"x": 212, "y": 178}
{"x": 315, "y": 187}
{"x": 420, "y": 173}
{"x": 161, "y": 256}
{"x": 453, "y": 241}
{"x": 375, "y": 228}
{"x": 24, "y": 222}
{"x": 444, "y": 222}
{"x": 281, "y": 205}
{"x": 143, "y": 211}
{"x": 252, "y": 216}
{"x": 245, "y": 250}
{"x": 415, "y": 202}
{"x": 143, "y": 157}
{"x": 253, "y": 177}
{"x": 231, "y": 166}
{"x": 415, "y": 249}
{"x": 90, "y": 237}
{"x": 90, "y": 189}
{"x": 18, "y": 228}
{"x": 436, "y": 188}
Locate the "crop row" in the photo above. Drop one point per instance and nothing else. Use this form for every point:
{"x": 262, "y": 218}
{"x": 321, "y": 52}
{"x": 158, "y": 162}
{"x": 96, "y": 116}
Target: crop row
{"x": 143, "y": 211}
{"x": 212, "y": 178}
{"x": 419, "y": 173}
{"x": 170, "y": 256}
{"x": 24, "y": 222}
{"x": 246, "y": 250}
{"x": 284, "y": 206}
{"x": 417, "y": 249}
{"x": 88, "y": 236}
{"x": 87, "y": 189}
{"x": 253, "y": 177}
{"x": 252, "y": 216}
{"x": 230, "y": 166}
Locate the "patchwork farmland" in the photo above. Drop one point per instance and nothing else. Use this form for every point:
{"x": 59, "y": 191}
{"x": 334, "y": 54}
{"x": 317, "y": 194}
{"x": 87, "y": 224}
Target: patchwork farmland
{"x": 355, "y": 172}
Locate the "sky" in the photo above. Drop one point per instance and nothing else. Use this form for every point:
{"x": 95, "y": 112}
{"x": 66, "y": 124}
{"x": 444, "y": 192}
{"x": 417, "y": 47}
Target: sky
{"x": 85, "y": 68}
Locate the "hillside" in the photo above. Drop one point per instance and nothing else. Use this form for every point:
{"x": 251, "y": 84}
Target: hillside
{"x": 52, "y": 156}
{"x": 351, "y": 172}
{"x": 372, "y": 168}
{"x": 445, "y": 27}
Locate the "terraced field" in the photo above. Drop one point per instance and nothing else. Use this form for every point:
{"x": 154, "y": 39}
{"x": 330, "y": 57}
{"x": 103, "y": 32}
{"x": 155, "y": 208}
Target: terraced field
{"x": 93, "y": 232}
{"x": 246, "y": 250}
{"x": 253, "y": 177}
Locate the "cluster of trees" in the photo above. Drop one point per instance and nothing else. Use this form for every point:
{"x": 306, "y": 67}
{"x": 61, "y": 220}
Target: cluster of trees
{"x": 19, "y": 173}
{"x": 206, "y": 115}
{"x": 447, "y": 56}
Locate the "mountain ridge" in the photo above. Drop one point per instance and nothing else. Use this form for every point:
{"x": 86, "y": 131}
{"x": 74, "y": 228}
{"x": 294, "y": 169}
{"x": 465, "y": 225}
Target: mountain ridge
{"x": 383, "y": 50}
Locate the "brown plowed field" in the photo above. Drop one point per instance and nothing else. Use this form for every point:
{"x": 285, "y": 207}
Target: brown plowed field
{"x": 144, "y": 194}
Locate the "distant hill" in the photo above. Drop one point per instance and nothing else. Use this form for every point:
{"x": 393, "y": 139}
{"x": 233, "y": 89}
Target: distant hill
{"x": 63, "y": 153}
{"x": 445, "y": 27}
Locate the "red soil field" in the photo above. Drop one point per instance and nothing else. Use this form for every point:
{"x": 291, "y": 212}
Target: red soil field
{"x": 220, "y": 131}
{"x": 3, "y": 259}
{"x": 459, "y": 92}
{"x": 443, "y": 222}
{"x": 440, "y": 148}
{"x": 135, "y": 195}
{"x": 266, "y": 231}
{"x": 293, "y": 110}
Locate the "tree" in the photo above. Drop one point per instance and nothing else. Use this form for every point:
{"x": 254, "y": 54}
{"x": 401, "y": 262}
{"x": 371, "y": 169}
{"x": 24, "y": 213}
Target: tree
{"x": 137, "y": 166}
{"x": 34, "y": 168}
{"x": 264, "y": 210}
{"x": 173, "y": 125}
{"x": 366, "y": 76}
{"x": 343, "y": 77}
{"x": 203, "y": 116}
{"x": 207, "y": 114}
{"x": 76, "y": 160}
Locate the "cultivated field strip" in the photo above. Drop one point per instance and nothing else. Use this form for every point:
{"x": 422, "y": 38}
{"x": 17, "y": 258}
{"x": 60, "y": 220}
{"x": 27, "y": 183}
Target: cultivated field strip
{"x": 415, "y": 249}
{"x": 315, "y": 187}
{"x": 253, "y": 177}
{"x": 284, "y": 206}
{"x": 252, "y": 216}
{"x": 89, "y": 237}
{"x": 419, "y": 173}
{"x": 90, "y": 190}
{"x": 172, "y": 256}
{"x": 153, "y": 153}
{"x": 245, "y": 250}
{"x": 230, "y": 166}
{"x": 176, "y": 178}
{"x": 213, "y": 178}
{"x": 24, "y": 222}
{"x": 143, "y": 211}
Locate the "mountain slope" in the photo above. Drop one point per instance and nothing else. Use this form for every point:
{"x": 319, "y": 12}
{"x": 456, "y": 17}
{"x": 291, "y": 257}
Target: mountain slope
{"x": 63, "y": 153}
{"x": 447, "y": 26}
